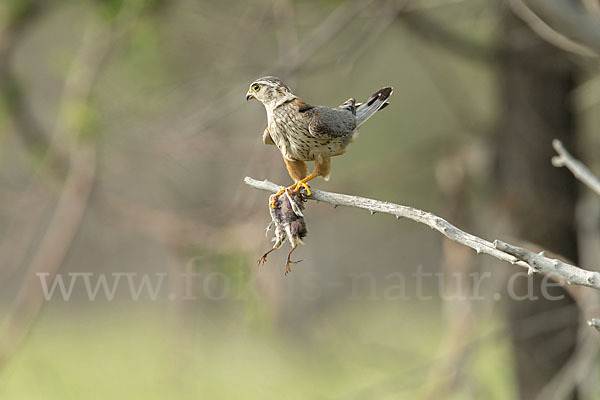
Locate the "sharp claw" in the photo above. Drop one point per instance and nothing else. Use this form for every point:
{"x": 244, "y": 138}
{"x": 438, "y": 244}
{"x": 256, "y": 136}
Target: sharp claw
{"x": 296, "y": 188}
{"x": 287, "y": 265}
{"x": 301, "y": 185}
{"x": 273, "y": 202}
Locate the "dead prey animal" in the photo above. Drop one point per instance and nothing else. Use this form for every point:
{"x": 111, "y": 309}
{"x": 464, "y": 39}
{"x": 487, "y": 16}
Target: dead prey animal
{"x": 288, "y": 221}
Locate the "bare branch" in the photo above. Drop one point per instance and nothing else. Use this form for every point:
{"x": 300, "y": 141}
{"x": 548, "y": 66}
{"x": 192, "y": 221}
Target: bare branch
{"x": 322, "y": 34}
{"x": 75, "y": 194}
{"x": 29, "y": 129}
{"x": 437, "y": 34}
{"x": 580, "y": 171}
{"x": 51, "y": 252}
{"x": 540, "y": 263}
{"x": 370, "y": 33}
{"x": 571, "y": 19}
{"x": 546, "y": 28}
{"x": 500, "y": 250}
{"x": 574, "y": 371}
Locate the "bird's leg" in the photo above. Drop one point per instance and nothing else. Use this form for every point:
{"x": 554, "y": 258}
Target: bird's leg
{"x": 296, "y": 188}
{"x": 297, "y": 170}
{"x": 263, "y": 259}
{"x": 287, "y": 264}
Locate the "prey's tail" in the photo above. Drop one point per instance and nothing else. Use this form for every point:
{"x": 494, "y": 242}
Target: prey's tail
{"x": 376, "y": 102}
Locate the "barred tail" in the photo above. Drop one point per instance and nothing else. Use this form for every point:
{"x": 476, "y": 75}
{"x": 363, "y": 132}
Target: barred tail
{"x": 376, "y": 102}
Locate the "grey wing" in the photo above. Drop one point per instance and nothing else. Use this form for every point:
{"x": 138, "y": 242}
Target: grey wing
{"x": 267, "y": 139}
{"x": 331, "y": 123}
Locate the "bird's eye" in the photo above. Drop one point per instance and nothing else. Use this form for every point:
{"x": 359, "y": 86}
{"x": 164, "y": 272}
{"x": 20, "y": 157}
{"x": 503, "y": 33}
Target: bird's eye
{"x": 256, "y": 87}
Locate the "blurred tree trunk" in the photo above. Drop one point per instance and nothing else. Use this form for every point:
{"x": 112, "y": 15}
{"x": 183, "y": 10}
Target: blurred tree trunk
{"x": 539, "y": 200}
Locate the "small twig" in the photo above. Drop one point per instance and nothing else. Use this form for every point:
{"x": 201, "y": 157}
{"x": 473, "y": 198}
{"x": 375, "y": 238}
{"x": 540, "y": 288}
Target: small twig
{"x": 514, "y": 255}
{"x": 595, "y": 323}
{"x": 75, "y": 194}
{"x": 546, "y": 30}
{"x": 580, "y": 171}
{"x": 574, "y": 371}
{"x": 445, "y": 38}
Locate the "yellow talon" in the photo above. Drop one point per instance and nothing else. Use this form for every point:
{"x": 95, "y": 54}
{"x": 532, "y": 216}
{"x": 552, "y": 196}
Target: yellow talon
{"x": 273, "y": 202}
{"x": 296, "y": 188}
{"x": 300, "y": 185}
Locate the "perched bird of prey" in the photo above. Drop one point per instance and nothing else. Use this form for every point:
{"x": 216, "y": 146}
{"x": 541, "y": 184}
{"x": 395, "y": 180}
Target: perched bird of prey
{"x": 310, "y": 133}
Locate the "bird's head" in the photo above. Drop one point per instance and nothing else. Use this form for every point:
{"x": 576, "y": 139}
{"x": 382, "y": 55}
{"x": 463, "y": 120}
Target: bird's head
{"x": 270, "y": 91}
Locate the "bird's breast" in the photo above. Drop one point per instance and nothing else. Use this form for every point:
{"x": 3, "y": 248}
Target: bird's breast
{"x": 290, "y": 132}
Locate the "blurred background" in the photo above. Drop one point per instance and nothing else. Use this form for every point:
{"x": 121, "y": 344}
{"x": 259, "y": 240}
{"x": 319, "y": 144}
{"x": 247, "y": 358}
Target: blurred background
{"x": 124, "y": 140}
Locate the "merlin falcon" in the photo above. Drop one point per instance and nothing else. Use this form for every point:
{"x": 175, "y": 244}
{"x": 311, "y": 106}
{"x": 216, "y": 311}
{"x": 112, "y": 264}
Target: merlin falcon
{"x": 303, "y": 132}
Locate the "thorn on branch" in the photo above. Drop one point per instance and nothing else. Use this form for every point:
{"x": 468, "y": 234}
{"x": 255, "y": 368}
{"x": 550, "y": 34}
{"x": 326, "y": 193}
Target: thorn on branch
{"x": 594, "y": 323}
{"x": 591, "y": 280}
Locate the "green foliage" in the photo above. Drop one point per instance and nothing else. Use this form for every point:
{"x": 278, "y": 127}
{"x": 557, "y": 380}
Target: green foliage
{"x": 3, "y": 129}
{"x": 10, "y": 100}
{"x": 81, "y": 119}
{"x": 109, "y": 9}
{"x": 14, "y": 10}
{"x": 143, "y": 49}
{"x": 4, "y": 113}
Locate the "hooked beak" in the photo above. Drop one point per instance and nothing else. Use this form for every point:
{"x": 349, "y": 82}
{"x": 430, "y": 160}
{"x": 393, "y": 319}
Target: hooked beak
{"x": 249, "y": 95}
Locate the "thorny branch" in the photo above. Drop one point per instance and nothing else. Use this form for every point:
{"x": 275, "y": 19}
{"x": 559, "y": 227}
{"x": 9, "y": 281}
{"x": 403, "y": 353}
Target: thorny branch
{"x": 540, "y": 263}
{"x": 500, "y": 250}
{"x": 580, "y": 171}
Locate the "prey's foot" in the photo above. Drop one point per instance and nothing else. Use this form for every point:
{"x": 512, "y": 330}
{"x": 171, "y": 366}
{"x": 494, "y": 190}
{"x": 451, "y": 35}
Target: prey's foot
{"x": 287, "y": 265}
{"x": 263, "y": 259}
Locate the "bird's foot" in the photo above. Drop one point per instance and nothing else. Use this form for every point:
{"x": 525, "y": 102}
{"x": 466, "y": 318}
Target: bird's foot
{"x": 274, "y": 199}
{"x": 262, "y": 260}
{"x": 296, "y": 187}
{"x": 299, "y": 185}
{"x": 287, "y": 265}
